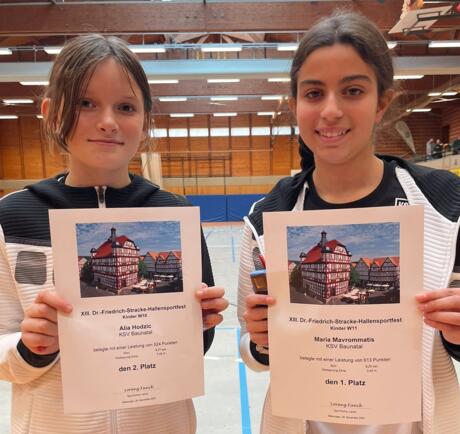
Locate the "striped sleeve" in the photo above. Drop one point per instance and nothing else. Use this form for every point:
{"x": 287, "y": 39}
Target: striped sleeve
{"x": 13, "y": 367}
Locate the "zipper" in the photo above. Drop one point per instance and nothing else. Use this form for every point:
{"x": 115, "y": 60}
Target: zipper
{"x": 100, "y": 191}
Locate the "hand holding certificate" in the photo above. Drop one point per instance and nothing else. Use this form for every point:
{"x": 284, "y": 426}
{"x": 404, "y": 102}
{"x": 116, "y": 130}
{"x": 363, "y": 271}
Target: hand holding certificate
{"x": 135, "y": 333}
{"x": 345, "y": 332}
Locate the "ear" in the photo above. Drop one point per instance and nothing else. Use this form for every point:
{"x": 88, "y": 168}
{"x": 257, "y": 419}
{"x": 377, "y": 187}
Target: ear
{"x": 292, "y": 103}
{"x": 44, "y": 107}
{"x": 384, "y": 102}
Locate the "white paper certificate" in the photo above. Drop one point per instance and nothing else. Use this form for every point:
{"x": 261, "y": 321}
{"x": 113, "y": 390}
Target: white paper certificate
{"x": 134, "y": 337}
{"x": 345, "y": 332}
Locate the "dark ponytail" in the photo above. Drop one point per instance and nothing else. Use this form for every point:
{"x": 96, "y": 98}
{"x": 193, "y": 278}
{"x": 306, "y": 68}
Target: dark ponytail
{"x": 307, "y": 160}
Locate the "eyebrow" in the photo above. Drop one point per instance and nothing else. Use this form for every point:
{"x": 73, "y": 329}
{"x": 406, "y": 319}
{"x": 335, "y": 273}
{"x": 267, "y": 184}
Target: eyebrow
{"x": 343, "y": 80}
{"x": 123, "y": 97}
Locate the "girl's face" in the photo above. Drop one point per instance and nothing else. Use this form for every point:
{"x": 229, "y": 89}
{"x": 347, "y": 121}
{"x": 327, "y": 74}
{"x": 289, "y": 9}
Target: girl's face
{"x": 110, "y": 126}
{"x": 337, "y": 105}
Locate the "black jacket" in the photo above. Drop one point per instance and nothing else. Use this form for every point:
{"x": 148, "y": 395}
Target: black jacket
{"x": 24, "y": 219}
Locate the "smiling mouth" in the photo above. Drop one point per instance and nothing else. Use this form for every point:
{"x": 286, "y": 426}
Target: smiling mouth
{"x": 332, "y": 134}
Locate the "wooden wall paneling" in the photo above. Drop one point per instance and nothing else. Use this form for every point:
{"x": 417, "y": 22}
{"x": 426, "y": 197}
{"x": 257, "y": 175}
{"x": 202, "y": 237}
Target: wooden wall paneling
{"x": 21, "y": 147}
{"x": 261, "y": 154}
{"x": 9, "y": 145}
{"x": 32, "y": 148}
{"x": 240, "y": 149}
{"x": 179, "y": 148}
{"x": 161, "y": 145}
{"x": 281, "y": 155}
{"x": 220, "y": 147}
{"x": 228, "y": 164}
{"x": 241, "y": 165}
{"x": 261, "y": 147}
{"x": 451, "y": 117}
{"x": 422, "y": 126}
{"x": 199, "y": 148}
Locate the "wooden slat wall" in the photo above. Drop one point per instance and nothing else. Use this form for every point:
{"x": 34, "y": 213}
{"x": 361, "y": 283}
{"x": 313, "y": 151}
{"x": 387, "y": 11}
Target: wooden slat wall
{"x": 24, "y": 153}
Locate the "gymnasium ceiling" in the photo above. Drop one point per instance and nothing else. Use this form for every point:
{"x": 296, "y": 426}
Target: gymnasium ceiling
{"x": 258, "y": 28}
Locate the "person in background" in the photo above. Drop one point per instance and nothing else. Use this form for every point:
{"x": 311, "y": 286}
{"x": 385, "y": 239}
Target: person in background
{"x": 429, "y": 148}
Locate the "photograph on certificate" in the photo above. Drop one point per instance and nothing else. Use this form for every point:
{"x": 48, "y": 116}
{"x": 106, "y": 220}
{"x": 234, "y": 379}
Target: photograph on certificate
{"x": 345, "y": 331}
{"x": 344, "y": 264}
{"x": 135, "y": 334}
{"x": 129, "y": 258}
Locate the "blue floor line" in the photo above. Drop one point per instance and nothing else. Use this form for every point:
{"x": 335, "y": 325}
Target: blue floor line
{"x": 209, "y": 233}
{"x": 233, "y": 250}
{"x": 244, "y": 397}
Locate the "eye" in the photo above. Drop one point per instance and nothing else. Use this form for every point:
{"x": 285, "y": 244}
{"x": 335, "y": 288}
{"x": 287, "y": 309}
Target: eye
{"x": 125, "y": 107}
{"x": 313, "y": 94}
{"x": 354, "y": 91}
{"x": 86, "y": 103}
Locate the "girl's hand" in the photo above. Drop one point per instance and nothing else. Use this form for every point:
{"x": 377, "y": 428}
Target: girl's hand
{"x": 256, "y": 317}
{"x": 39, "y": 327}
{"x": 441, "y": 310}
{"x": 212, "y": 302}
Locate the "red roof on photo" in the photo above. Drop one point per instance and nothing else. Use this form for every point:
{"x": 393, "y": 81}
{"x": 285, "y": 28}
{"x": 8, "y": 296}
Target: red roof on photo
{"x": 153, "y": 255}
{"x": 314, "y": 255}
{"x": 367, "y": 261}
{"x": 394, "y": 259}
{"x": 379, "y": 261}
{"x": 163, "y": 256}
{"x": 177, "y": 253}
{"x": 105, "y": 249}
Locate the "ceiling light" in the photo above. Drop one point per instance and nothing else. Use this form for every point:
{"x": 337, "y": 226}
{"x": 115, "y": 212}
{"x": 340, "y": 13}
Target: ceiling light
{"x": 223, "y": 80}
{"x": 213, "y": 48}
{"x": 224, "y": 98}
{"x": 265, "y": 113}
{"x": 8, "y": 117}
{"x": 39, "y": 117}
{"x": 5, "y": 52}
{"x": 408, "y": 77}
{"x": 287, "y": 47}
{"x": 444, "y": 44}
{"x": 391, "y": 44}
{"x": 147, "y": 48}
{"x": 34, "y": 83}
{"x": 435, "y": 94}
{"x": 271, "y": 97}
{"x": 172, "y": 98}
{"x": 163, "y": 81}
{"x": 225, "y": 114}
{"x": 279, "y": 80}
{"x": 18, "y": 101}
{"x": 419, "y": 110}
{"x": 450, "y": 93}
{"x": 181, "y": 115}
{"x": 53, "y": 50}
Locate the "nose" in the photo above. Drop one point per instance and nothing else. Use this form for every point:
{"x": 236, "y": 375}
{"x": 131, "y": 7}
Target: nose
{"x": 331, "y": 109}
{"x": 107, "y": 122}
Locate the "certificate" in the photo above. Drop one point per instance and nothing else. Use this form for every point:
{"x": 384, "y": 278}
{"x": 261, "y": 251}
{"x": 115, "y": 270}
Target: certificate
{"x": 345, "y": 333}
{"x": 134, "y": 337}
